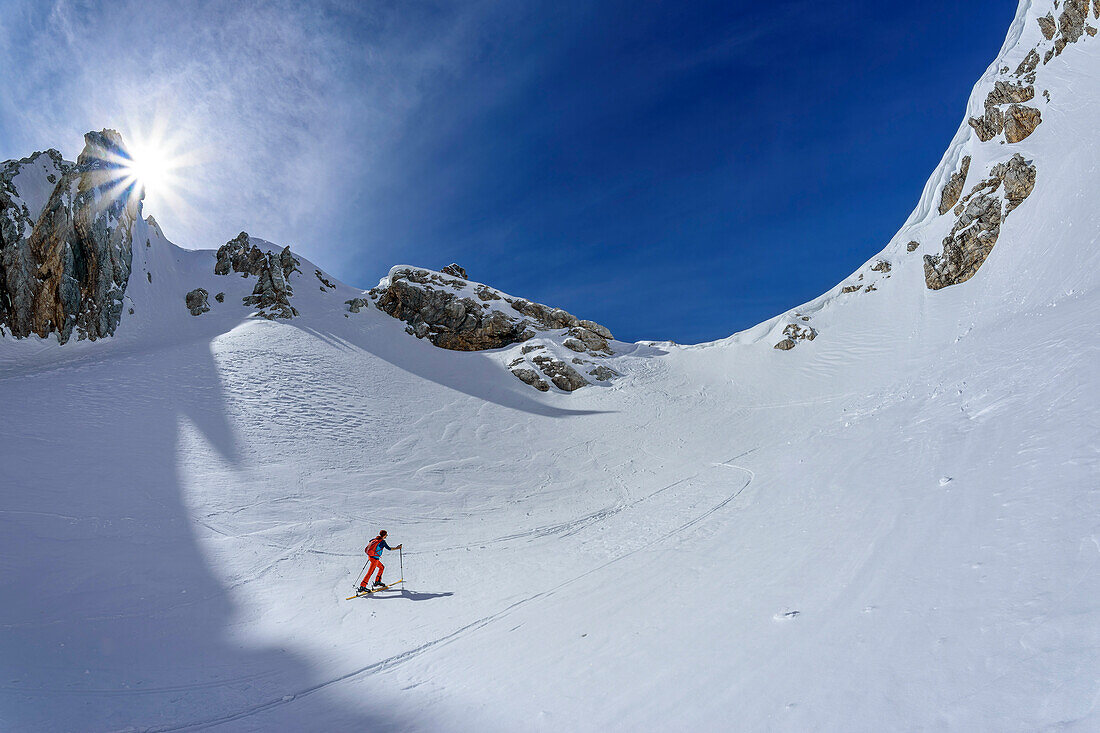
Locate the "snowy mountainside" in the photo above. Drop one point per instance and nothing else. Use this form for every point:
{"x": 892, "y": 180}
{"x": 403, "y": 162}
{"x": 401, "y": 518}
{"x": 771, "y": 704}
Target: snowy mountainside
{"x": 889, "y": 526}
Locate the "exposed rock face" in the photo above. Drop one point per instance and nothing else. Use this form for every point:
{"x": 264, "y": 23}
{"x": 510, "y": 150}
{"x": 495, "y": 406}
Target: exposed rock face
{"x": 326, "y": 284}
{"x": 574, "y": 345}
{"x": 18, "y": 212}
{"x": 273, "y": 290}
{"x": 65, "y": 265}
{"x": 881, "y": 266}
{"x": 1027, "y": 67}
{"x": 239, "y": 255}
{"x": 1018, "y": 178}
{"x": 1006, "y": 92}
{"x": 197, "y": 301}
{"x": 591, "y": 339}
{"x": 954, "y": 187}
{"x": 912, "y": 246}
{"x": 1020, "y": 122}
{"x": 433, "y": 310}
{"x": 272, "y": 294}
{"x": 220, "y": 297}
{"x": 442, "y": 310}
{"x": 564, "y": 377}
{"x": 1047, "y": 26}
{"x": 980, "y": 216}
{"x": 989, "y": 125}
{"x": 604, "y": 373}
{"x": 531, "y": 377}
{"x": 1017, "y": 123}
{"x": 1071, "y": 22}
{"x": 456, "y": 270}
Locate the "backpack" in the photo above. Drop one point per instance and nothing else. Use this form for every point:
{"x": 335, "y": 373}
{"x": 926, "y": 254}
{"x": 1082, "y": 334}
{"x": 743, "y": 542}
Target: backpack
{"x": 372, "y": 548}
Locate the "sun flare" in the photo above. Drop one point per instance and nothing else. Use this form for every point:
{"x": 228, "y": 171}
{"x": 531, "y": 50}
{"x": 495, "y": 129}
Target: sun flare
{"x": 149, "y": 166}
{"x": 155, "y": 167}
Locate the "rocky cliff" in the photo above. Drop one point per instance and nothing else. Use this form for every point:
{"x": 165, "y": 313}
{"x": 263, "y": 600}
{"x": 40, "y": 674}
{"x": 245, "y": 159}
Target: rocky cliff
{"x": 453, "y": 312}
{"x": 66, "y": 259}
{"x": 1008, "y": 119}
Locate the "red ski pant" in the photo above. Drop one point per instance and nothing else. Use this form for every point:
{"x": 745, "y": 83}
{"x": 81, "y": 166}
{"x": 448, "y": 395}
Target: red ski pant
{"x": 374, "y": 563}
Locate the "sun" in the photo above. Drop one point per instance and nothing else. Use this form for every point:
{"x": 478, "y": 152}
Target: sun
{"x": 149, "y": 166}
{"x": 157, "y": 166}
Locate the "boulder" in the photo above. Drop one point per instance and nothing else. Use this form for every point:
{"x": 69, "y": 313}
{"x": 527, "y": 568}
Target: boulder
{"x": 912, "y": 246}
{"x": 197, "y": 302}
{"x": 356, "y": 303}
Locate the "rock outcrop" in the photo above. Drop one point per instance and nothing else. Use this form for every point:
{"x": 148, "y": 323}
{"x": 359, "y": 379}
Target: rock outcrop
{"x": 954, "y": 186}
{"x": 453, "y": 312}
{"x": 456, "y": 270}
{"x": 1006, "y": 92}
{"x": 1021, "y": 121}
{"x": 795, "y": 333}
{"x": 464, "y": 316}
{"x": 978, "y": 226}
{"x": 531, "y": 377}
{"x": 65, "y": 267}
{"x": 564, "y": 377}
{"x": 989, "y": 125}
{"x": 21, "y": 203}
{"x": 273, "y": 291}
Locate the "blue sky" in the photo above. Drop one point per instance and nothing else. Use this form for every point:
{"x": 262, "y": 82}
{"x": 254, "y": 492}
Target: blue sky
{"x": 673, "y": 170}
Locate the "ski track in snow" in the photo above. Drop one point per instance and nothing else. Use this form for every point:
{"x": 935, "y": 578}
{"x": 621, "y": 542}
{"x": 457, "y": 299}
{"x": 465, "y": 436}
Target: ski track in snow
{"x": 398, "y": 659}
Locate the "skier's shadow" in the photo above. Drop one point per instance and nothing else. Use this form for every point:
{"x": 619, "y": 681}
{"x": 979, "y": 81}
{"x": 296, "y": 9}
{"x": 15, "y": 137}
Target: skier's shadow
{"x": 415, "y": 596}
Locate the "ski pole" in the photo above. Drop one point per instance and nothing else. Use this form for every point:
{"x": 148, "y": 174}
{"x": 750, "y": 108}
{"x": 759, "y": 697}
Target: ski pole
{"x": 401, "y": 558}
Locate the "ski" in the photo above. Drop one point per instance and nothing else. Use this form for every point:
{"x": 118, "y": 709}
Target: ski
{"x": 367, "y": 592}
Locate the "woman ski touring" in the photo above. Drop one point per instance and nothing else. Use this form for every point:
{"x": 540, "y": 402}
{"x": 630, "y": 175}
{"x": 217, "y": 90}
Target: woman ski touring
{"x": 374, "y": 552}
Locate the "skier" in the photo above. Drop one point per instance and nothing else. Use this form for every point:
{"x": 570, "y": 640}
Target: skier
{"x": 374, "y": 552}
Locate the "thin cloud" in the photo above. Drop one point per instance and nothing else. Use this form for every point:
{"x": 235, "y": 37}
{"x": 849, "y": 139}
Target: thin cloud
{"x": 279, "y": 105}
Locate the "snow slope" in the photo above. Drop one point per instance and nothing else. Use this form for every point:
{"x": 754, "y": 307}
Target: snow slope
{"x": 892, "y": 527}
